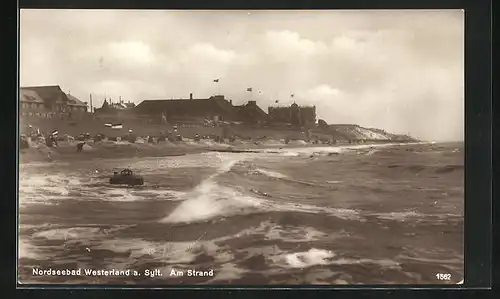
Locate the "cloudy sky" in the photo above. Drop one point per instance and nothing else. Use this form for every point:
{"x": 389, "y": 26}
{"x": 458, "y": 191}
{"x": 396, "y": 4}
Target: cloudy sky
{"x": 402, "y": 71}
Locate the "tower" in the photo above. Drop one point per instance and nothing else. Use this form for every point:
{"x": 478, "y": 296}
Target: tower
{"x": 295, "y": 114}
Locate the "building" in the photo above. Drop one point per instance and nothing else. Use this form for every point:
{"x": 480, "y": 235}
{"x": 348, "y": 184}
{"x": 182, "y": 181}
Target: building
{"x": 251, "y": 113}
{"x": 216, "y": 108}
{"x": 114, "y": 108}
{"x": 48, "y": 102}
{"x": 75, "y": 105}
{"x": 294, "y": 114}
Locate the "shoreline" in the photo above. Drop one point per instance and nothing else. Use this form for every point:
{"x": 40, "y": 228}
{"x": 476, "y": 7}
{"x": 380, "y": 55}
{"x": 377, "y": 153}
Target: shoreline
{"x": 66, "y": 151}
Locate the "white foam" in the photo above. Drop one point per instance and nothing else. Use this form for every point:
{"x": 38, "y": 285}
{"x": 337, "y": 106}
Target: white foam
{"x": 170, "y": 252}
{"x": 228, "y": 271}
{"x": 163, "y": 194}
{"x": 178, "y": 252}
{"x": 272, "y": 231}
{"x": 45, "y": 189}
{"x": 272, "y": 174}
{"x": 324, "y": 150}
{"x": 334, "y": 182}
{"x": 399, "y": 216}
{"x": 308, "y": 258}
{"x": 385, "y": 263}
{"x": 346, "y": 214}
{"x": 371, "y": 152}
{"x": 302, "y": 234}
{"x": 120, "y": 194}
{"x": 316, "y": 256}
{"x": 26, "y": 250}
{"x": 209, "y": 200}
{"x": 74, "y": 233}
{"x": 291, "y": 154}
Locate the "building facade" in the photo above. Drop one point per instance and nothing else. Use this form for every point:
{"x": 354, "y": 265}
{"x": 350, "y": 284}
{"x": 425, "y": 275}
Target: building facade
{"x": 114, "y": 108}
{"x": 294, "y": 114}
{"x": 49, "y": 102}
{"x": 214, "y": 108}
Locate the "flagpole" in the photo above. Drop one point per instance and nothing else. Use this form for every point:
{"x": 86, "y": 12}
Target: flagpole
{"x": 217, "y": 91}
{"x": 90, "y": 103}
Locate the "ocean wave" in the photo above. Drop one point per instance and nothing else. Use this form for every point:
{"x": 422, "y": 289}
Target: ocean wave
{"x": 326, "y": 150}
{"x": 65, "y": 234}
{"x": 271, "y": 174}
{"x": 209, "y": 200}
{"x": 272, "y": 231}
{"x": 314, "y": 257}
{"x": 120, "y": 194}
{"x": 304, "y": 259}
{"x": 438, "y": 169}
{"x": 27, "y": 251}
{"x": 413, "y": 215}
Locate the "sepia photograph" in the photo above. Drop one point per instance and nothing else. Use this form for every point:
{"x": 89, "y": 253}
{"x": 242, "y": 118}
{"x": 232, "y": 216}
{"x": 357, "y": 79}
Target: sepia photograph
{"x": 241, "y": 147}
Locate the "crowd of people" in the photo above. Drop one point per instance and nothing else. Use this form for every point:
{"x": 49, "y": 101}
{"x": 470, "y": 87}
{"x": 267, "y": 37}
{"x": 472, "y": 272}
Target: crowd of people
{"x": 51, "y": 139}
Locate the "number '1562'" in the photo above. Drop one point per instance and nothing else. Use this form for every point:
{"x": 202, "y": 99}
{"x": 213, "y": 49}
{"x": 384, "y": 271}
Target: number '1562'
{"x": 443, "y": 276}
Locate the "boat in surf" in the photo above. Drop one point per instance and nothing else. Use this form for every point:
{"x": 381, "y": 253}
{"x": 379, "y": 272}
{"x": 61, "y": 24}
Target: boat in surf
{"x": 126, "y": 177}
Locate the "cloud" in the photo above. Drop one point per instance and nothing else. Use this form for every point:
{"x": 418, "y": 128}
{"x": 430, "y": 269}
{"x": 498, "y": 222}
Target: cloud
{"x": 134, "y": 52}
{"x": 209, "y": 52}
{"x": 398, "y": 70}
{"x": 285, "y": 45}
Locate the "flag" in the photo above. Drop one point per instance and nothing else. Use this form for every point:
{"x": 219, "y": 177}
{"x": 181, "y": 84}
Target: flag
{"x": 216, "y": 80}
{"x": 117, "y": 126}
{"x": 277, "y": 101}
{"x": 55, "y": 132}
{"x": 260, "y": 91}
{"x": 292, "y": 95}
{"x": 249, "y": 89}
{"x": 108, "y": 125}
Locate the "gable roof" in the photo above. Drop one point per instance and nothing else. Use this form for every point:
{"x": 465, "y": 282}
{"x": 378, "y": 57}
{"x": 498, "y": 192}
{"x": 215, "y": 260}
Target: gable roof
{"x": 188, "y": 107}
{"x": 30, "y": 96}
{"x": 252, "y": 112}
{"x": 49, "y": 94}
{"x": 73, "y": 101}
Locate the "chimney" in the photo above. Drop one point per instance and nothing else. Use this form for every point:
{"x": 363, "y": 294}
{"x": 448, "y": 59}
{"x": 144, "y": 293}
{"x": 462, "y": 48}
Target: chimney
{"x": 191, "y": 96}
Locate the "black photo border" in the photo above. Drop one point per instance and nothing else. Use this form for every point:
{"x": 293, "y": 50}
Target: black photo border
{"x": 478, "y": 146}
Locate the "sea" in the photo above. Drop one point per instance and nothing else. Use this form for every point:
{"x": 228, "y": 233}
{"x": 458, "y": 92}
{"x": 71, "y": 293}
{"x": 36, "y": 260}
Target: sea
{"x": 360, "y": 214}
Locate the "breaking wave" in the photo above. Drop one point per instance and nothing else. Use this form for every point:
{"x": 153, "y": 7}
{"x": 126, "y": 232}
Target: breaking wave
{"x": 271, "y": 174}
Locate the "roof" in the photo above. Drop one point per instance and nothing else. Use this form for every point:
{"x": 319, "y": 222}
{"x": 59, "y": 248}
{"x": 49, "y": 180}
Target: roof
{"x": 251, "y": 112}
{"x": 31, "y": 96}
{"x": 74, "y": 101}
{"x": 191, "y": 107}
{"x": 49, "y": 94}
{"x": 117, "y": 105}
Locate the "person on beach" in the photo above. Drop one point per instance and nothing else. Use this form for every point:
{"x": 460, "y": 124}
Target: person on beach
{"x": 79, "y": 147}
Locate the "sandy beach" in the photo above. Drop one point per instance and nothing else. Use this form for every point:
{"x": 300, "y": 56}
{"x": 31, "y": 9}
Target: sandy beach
{"x": 66, "y": 151}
